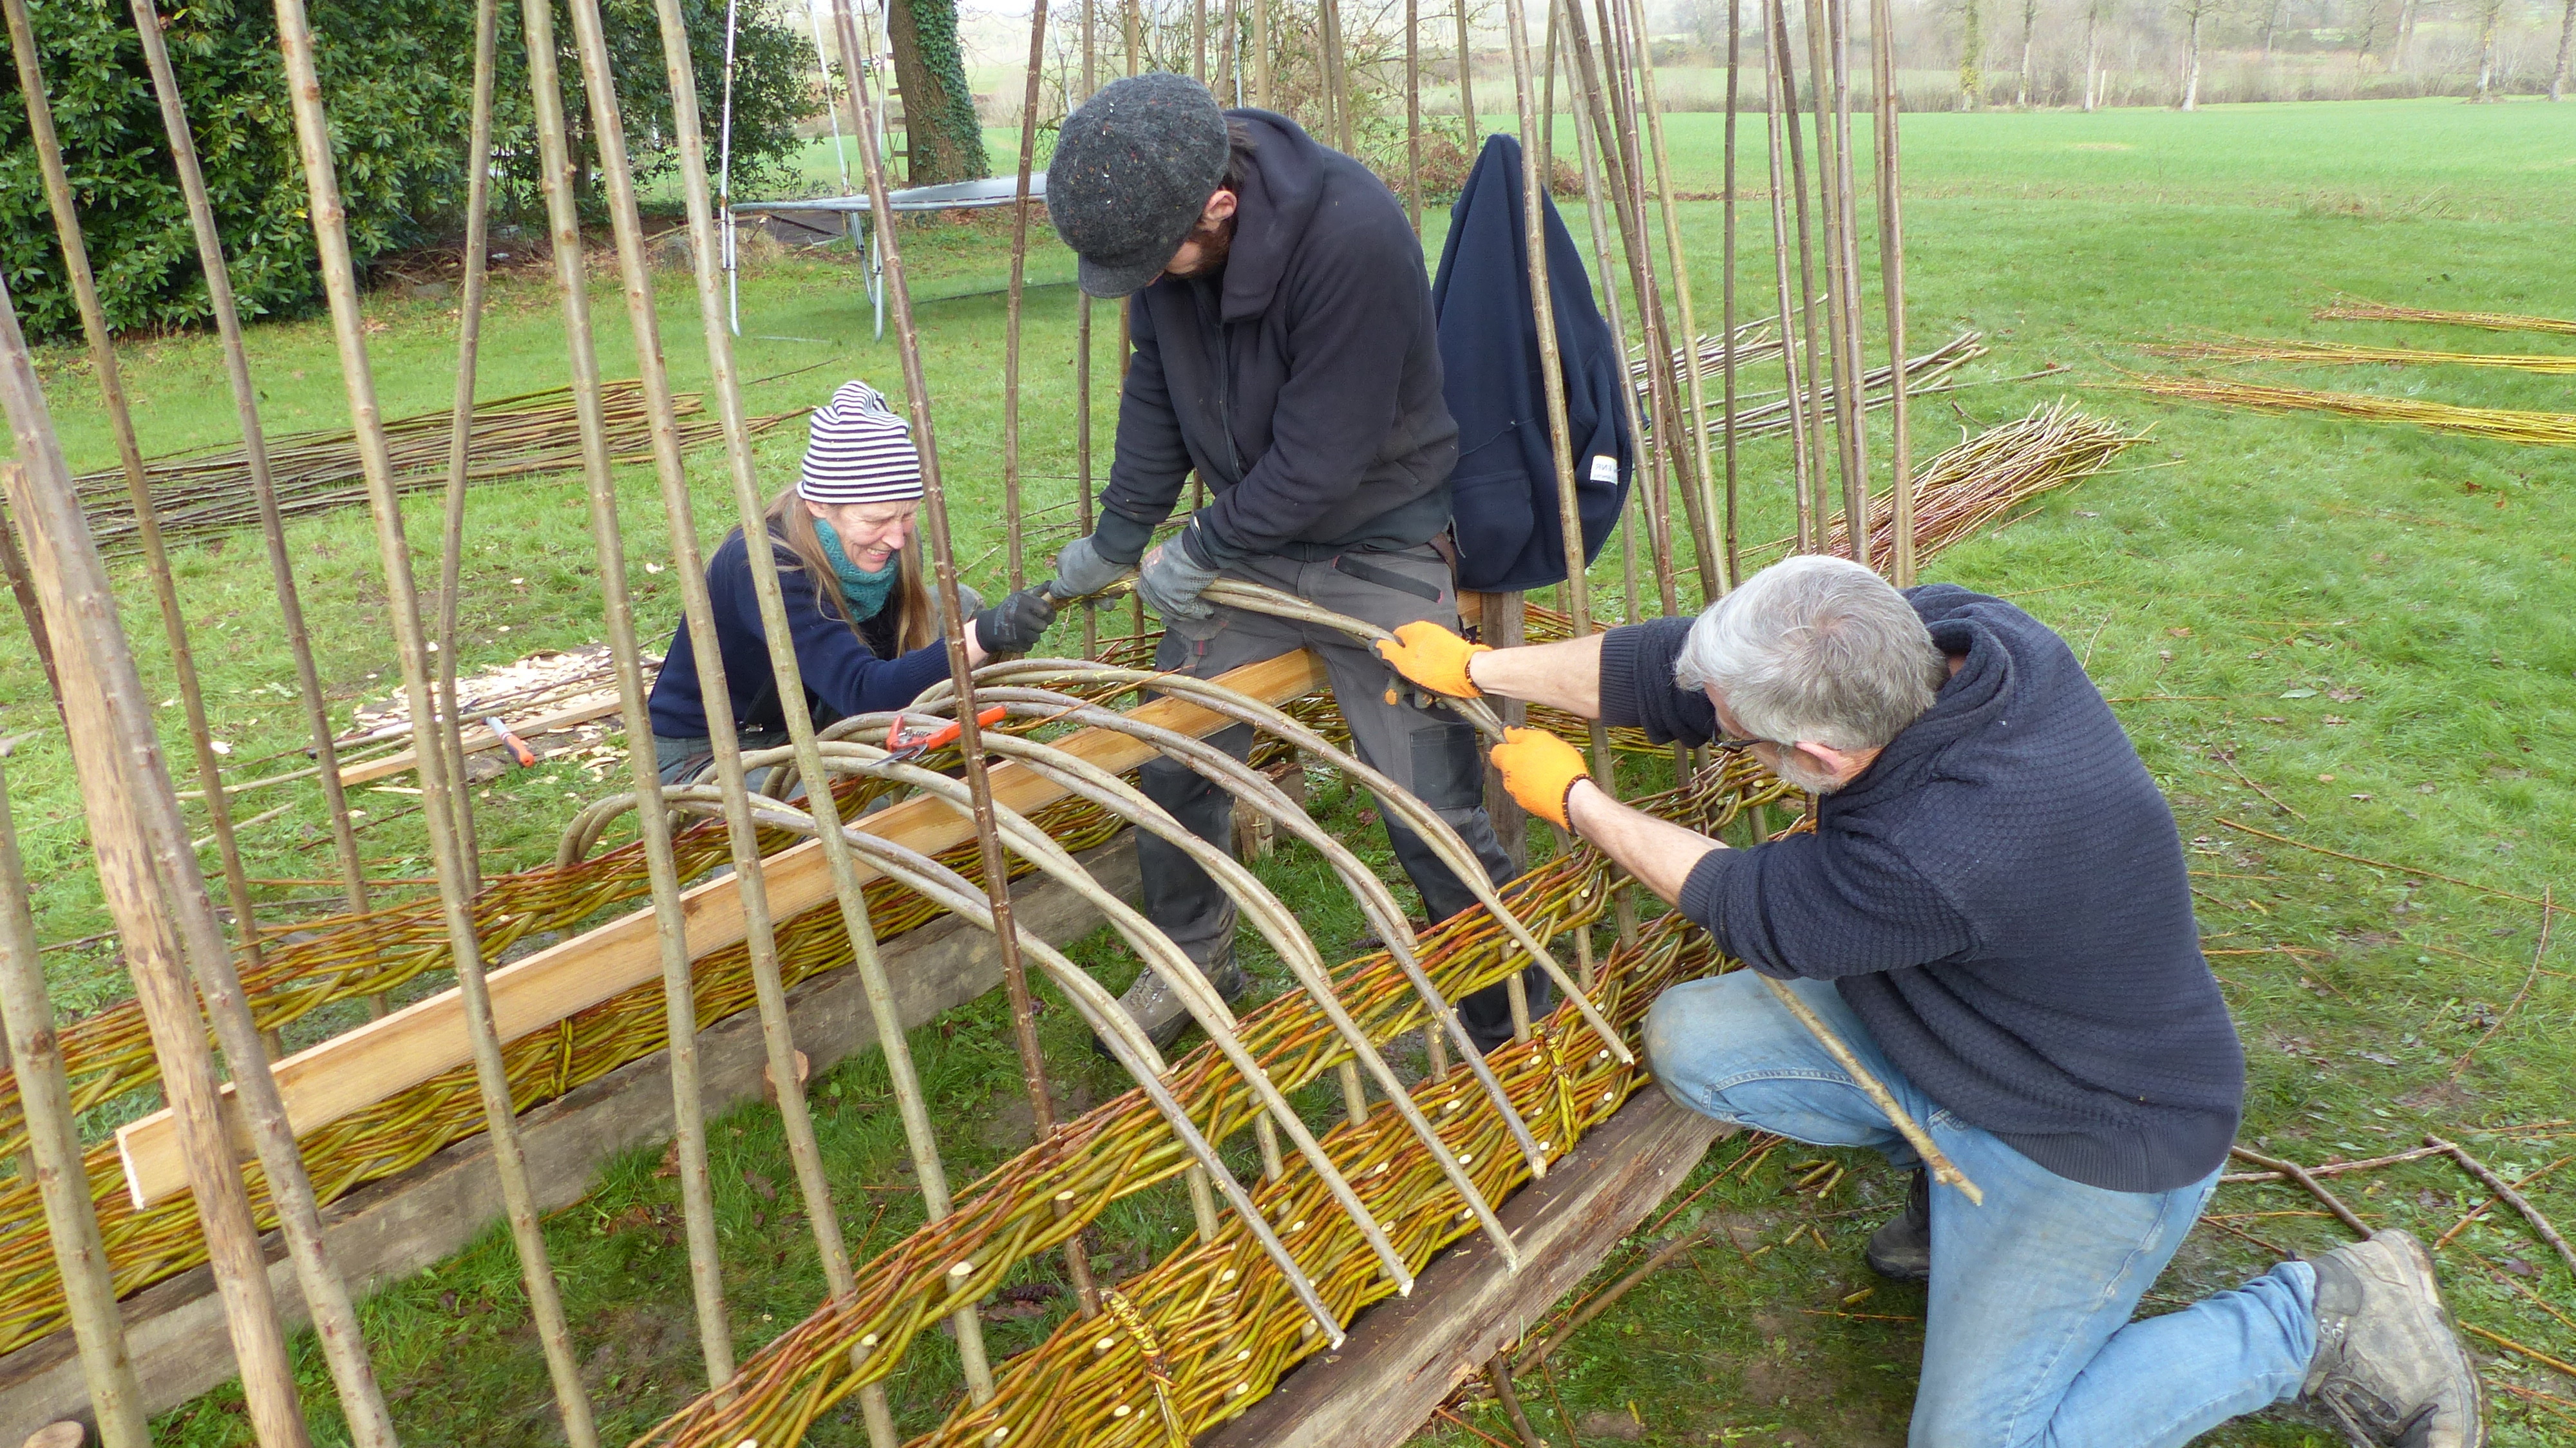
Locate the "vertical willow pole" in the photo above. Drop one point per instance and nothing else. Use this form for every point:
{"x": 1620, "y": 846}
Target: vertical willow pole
{"x": 1812, "y": 402}
{"x": 1845, "y": 199}
{"x": 148, "y": 874}
{"x": 1014, "y": 544}
{"x": 1775, "y": 120}
{"x": 129, "y": 455}
{"x": 469, "y": 338}
{"x": 1839, "y": 302}
{"x": 348, "y": 326}
{"x": 1629, "y": 211}
{"x": 1891, "y": 267}
{"x": 653, "y": 820}
{"x": 53, "y": 1157}
{"x": 1726, "y": 316}
{"x": 219, "y": 297}
{"x": 931, "y": 1175}
{"x": 1714, "y": 578}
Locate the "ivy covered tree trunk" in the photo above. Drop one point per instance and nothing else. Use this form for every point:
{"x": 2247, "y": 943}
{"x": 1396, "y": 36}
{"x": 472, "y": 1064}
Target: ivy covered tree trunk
{"x": 1972, "y": 53}
{"x": 943, "y": 139}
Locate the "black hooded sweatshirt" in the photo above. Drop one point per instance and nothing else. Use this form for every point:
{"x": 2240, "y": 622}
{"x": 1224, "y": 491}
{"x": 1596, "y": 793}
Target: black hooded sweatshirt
{"x": 2000, "y": 897}
{"x": 1301, "y": 382}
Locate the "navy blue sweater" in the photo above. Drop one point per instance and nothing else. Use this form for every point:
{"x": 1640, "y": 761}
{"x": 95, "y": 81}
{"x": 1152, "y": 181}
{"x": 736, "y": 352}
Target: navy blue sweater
{"x": 2000, "y": 897}
{"x": 844, "y": 673}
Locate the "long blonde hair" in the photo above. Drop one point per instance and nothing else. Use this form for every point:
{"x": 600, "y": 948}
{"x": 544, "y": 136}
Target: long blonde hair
{"x": 793, "y": 523}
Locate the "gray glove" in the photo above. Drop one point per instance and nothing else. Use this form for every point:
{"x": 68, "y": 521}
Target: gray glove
{"x": 1080, "y": 571}
{"x": 1014, "y": 625}
{"x": 1170, "y": 582}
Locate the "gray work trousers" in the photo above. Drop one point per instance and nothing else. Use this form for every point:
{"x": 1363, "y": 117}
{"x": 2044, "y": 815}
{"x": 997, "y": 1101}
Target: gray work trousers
{"x": 1420, "y": 744}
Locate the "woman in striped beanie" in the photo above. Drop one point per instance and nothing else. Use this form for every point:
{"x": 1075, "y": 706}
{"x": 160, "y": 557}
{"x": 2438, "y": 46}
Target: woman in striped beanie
{"x": 866, "y": 628}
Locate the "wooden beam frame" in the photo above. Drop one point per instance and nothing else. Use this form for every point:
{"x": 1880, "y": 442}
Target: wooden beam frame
{"x": 351, "y": 1072}
{"x": 1405, "y": 1355}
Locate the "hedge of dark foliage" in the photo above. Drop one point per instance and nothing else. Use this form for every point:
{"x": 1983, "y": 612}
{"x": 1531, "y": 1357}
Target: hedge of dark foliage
{"x": 398, "y": 78}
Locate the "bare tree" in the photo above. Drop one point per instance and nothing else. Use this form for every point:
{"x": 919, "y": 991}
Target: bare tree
{"x": 2490, "y": 15}
{"x": 1972, "y": 48}
{"x": 2029, "y": 20}
{"x": 2566, "y": 39}
{"x": 2195, "y": 14}
{"x": 2271, "y": 27}
{"x": 2093, "y": 52}
{"x": 2405, "y": 34}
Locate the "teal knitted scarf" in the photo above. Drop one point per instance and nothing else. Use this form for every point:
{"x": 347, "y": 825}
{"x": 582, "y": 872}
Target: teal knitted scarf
{"x": 864, "y": 593}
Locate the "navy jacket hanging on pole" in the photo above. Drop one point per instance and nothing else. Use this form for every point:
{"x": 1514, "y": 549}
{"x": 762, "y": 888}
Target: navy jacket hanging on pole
{"x": 1504, "y": 490}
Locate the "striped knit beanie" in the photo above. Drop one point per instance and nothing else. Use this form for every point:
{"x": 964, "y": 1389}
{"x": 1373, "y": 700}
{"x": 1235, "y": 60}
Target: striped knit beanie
{"x": 858, "y": 451}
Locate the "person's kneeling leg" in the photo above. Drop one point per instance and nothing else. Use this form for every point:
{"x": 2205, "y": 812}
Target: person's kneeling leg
{"x": 1725, "y": 1047}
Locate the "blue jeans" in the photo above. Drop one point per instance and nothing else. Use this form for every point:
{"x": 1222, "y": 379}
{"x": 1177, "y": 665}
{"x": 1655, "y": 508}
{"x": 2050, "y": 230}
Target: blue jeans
{"x": 2028, "y": 1338}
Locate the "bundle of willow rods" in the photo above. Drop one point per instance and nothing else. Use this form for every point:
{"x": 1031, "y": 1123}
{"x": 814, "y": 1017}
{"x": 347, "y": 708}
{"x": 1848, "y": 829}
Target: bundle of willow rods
{"x": 2489, "y": 321}
{"x": 2266, "y": 349}
{"x": 1969, "y": 486}
{"x": 202, "y": 493}
{"x": 1221, "y": 1304}
{"x": 1927, "y": 373}
{"x": 2540, "y": 429}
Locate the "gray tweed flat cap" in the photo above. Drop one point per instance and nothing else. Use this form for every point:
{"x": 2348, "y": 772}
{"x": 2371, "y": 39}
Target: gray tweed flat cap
{"x": 1132, "y": 170}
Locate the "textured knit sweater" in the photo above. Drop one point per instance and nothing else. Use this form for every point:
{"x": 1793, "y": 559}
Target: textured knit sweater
{"x": 2000, "y": 897}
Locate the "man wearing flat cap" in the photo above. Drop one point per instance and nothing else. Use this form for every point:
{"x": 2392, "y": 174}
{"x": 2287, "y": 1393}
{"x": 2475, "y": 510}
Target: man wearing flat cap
{"x": 1284, "y": 352}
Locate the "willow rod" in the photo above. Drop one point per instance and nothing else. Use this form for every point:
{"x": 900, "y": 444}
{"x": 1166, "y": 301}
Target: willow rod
{"x": 1663, "y": 457}
{"x": 1627, "y": 141}
{"x": 469, "y": 337}
{"x": 1261, "y": 54}
{"x": 1650, "y": 449}
{"x": 1726, "y": 279}
{"x": 219, "y": 297}
{"x": 929, "y": 1173}
{"x": 1785, "y": 68}
{"x": 1891, "y": 274}
{"x": 114, "y": 773}
{"x": 348, "y": 325}
{"x": 1799, "y": 460}
{"x": 750, "y": 507}
{"x": 35, "y": 1059}
{"x": 679, "y": 995}
{"x": 1714, "y": 578}
{"x": 1846, "y": 201}
{"x": 1840, "y": 304}
{"x": 129, "y": 456}
{"x": 1016, "y": 300}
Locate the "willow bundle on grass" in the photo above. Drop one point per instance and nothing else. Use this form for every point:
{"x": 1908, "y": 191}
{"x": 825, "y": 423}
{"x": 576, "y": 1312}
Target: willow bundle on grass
{"x": 204, "y": 492}
{"x": 2264, "y": 349}
{"x": 2544, "y": 429}
{"x": 1966, "y": 487}
{"x": 2490, "y": 321}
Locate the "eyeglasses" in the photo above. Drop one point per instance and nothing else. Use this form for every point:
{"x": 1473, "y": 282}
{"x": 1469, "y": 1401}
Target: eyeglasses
{"x": 1729, "y": 744}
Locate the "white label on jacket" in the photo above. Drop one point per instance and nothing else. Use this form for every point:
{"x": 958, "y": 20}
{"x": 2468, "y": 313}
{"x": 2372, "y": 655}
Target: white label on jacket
{"x": 1605, "y": 469}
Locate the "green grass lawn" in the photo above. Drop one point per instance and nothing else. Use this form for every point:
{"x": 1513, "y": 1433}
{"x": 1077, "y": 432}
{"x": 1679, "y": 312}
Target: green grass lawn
{"x": 2366, "y": 623}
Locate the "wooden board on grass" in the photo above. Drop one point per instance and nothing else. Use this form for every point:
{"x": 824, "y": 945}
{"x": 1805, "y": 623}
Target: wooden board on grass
{"x": 1407, "y": 1354}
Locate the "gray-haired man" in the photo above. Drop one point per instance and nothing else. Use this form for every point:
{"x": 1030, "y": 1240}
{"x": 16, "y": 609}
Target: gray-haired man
{"x": 1993, "y": 912}
{"x": 1285, "y": 353}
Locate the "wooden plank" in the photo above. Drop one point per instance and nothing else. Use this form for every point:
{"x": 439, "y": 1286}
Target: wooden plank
{"x": 1407, "y": 1354}
{"x": 387, "y": 1230}
{"x": 353, "y": 1071}
{"x": 480, "y": 740}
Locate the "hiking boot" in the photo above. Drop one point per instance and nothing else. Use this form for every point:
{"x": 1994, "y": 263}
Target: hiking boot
{"x": 1901, "y": 1249}
{"x": 2388, "y": 1369}
{"x": 1156, "y": 1007}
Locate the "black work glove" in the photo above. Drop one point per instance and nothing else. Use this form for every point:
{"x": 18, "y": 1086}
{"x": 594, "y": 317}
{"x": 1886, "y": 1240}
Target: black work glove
{"x": 1014, "y": 625}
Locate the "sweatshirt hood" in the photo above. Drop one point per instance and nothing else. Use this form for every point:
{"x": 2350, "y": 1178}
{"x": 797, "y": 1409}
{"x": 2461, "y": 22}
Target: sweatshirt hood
{"x": 1280, "y": 195}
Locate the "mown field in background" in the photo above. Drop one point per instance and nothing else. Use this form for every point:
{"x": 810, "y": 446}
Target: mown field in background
{"x": 2349, "y": 635}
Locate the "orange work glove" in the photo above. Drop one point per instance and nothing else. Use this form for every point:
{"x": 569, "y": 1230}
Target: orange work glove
{"x": 1540, "y": 770}
{"x": 1434, "y": 658}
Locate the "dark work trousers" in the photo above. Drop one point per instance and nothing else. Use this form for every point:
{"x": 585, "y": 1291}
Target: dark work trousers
{"x": 1421, "y": 745}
